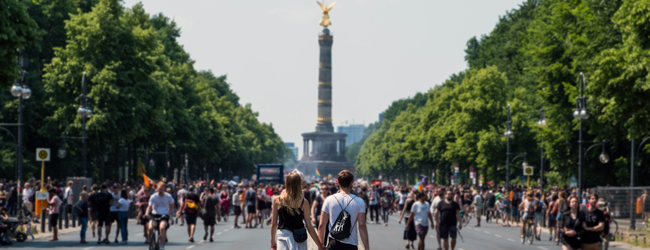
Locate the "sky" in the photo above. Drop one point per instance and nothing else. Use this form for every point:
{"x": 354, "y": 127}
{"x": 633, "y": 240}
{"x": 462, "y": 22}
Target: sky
{"x": 383, "y": 50}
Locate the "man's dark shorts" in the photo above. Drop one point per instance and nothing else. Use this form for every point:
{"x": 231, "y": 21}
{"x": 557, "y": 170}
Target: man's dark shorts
{"x": 237, "y": 210}
{"x": 54, "y": 218}
{"x": 103, "y": 219}
{"x": 336, "y": 245}
{"x": 114, "y": 216}
{"x": 156, "y": 223}
{"x": 448, "y": 231}
{"x": 251, "y": 209}
{"x": 190, "y": 218}
{"x": 210, "y": 220}
{"x": 93, "y": 215}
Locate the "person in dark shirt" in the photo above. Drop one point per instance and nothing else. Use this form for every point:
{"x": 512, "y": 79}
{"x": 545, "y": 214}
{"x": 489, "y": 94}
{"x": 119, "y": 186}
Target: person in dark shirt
{"x": 317, "y": 204}
{"x": 447, "y": 215}
{"x": 211, "y": 205}
{"x": 191, "y": 211}
{"x": 570, "y": 225}
{"x": 490, "y": 200}
{"x": 102, "y": 202}
{"x": 251, "y": 205}
{"x": 593, "y": 222}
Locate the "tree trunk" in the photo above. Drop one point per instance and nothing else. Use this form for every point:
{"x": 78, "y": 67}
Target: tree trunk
{"x": 101, "y": 159}
{"x": 116, "y": 158}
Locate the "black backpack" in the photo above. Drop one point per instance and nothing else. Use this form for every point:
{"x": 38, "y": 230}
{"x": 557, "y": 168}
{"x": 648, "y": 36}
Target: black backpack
{"x": 32, "y": 197}
{"x": 341, "y": 229}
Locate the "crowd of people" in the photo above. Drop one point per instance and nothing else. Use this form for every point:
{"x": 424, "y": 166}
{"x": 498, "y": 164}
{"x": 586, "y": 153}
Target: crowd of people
{"x": 332, "y": 212}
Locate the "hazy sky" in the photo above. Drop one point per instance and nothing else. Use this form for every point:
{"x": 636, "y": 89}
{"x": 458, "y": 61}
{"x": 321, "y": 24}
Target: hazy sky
{"x": 383, "y": 50}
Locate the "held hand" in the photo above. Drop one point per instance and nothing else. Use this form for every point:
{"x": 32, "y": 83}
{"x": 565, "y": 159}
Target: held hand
{"x": 274, "y": 246}
{"x": 313, "y": 221}
{"x": 399, "y": 221}
{"x": 460, "y": 226}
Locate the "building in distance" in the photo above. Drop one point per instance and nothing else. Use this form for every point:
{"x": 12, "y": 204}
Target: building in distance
{"x": 354, "y": 132}
{"x": 293, "y": 148}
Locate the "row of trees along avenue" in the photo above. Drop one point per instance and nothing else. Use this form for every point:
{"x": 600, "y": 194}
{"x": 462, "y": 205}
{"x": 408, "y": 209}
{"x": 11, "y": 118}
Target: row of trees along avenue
{"x": 531, "y": 60}
{"x": 144, "y": 92}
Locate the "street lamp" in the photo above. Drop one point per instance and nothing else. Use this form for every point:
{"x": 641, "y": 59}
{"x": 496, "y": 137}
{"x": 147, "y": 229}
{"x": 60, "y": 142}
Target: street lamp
{"x": 84, "y": 112}
{"x": 508, "y": 134}
{"x": 581, "y": 114}
{"x": 632, "y": 176}
{"x": 21, "y": 91}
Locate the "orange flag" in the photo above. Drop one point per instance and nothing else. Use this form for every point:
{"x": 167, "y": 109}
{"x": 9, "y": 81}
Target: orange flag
{"x": 146, "y": 180}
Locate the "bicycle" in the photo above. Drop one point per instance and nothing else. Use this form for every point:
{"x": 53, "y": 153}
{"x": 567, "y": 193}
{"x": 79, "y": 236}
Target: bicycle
{"x": 154, "y": 238}
{"x": 605, "y": 239}
{"x": 529, "y": 232}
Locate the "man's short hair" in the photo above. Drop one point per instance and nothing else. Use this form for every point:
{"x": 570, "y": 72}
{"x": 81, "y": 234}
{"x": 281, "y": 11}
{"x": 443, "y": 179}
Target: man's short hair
{"x": 104, "y": 186}
{"x": 345, "y": 178}
{"x": 70, "y": 183}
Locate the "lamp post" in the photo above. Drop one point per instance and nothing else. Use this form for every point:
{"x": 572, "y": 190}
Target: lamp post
{"x": 508, "y": 134}
{"x": 21, "y": 91}
{"x": 632, "y": 162}
{"x": 84, "y": 112}
{"x": 581, "y": 114}
{"x": 541, "y": 123}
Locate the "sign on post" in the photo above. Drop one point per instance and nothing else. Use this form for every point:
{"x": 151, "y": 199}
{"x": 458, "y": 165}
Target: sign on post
{"x": 42, "y": 154}
{"x": 41, "y": 195}
{"x": 573, "y": 183}
{"x": 528, "y": 170}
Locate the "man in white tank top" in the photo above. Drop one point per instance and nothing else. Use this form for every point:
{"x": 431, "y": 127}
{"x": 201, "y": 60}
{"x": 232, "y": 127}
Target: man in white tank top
{"x": 355, "y": 206}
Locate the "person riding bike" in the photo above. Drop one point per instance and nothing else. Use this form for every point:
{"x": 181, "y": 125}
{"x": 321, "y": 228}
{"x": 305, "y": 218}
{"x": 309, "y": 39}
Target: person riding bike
{"x": 528, "y": 207}
{"x": 161, "y": 205}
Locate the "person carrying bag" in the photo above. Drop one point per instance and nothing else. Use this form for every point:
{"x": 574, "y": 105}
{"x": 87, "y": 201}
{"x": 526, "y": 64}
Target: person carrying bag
{"x": 291, "y": 214}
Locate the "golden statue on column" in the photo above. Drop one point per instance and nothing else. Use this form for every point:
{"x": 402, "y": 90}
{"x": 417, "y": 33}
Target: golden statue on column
{"x": 325, "y": 21}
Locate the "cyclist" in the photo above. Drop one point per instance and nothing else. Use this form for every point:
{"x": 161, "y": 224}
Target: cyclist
{"x": 161, "y": 205}
{"x": 528, "y": 207}
{"x": 539, "y": 216}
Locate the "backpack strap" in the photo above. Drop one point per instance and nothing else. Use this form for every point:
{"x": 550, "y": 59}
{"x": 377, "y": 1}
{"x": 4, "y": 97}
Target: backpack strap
{"x": 301, "y": 203}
